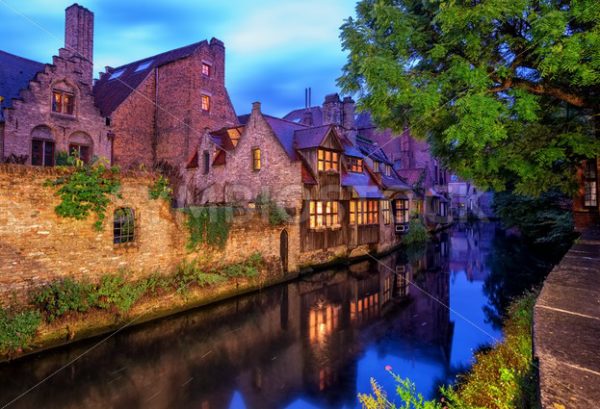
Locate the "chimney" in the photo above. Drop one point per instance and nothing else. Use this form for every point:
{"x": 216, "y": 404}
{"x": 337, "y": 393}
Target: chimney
{"x": 79, "y": 36}
{"x": 332, "y": 110}
{"x": 256, "y": 107}
{"x": 348, "y": 117}
{"x": 307, "y": 117}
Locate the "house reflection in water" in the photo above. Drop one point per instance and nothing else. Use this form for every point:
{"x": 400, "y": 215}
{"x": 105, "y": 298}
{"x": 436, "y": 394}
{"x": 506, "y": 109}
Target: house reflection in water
{"x": 303, "y": 343}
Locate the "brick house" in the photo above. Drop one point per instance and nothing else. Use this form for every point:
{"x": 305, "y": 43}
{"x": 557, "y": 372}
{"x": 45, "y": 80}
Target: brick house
{"x": 47, "y": 109}
{"x": 315, "y": 172}
{"x": 411, "y": 161}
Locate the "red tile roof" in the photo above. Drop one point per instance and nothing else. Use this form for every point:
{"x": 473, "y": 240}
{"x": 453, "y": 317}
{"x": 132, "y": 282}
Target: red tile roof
{"x": 110, "y": 93}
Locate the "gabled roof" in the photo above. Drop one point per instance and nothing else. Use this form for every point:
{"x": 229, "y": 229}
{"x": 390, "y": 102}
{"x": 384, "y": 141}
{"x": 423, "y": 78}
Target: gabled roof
{"x": 224, "y": 138}
{"x": 15, "y": 74}
{"x": 284, "y": 131}
{"x": 110, "y": 93}
{"x": 371, "y": 149}
{"x": 313, "y": 137}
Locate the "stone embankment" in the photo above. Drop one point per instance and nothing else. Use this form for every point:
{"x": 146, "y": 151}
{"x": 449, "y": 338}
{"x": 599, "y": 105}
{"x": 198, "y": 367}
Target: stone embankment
{"x": 567, "y": 329}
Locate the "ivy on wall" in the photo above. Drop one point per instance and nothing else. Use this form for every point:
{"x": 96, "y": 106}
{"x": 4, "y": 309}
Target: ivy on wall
{"x": 160, "y": 189}
{"x": 87, "y": 189}
{"x": 209, "y": 225}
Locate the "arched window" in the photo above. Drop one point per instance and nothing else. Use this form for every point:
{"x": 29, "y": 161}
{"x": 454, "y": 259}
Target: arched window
{"x": 124, "y": 226}
{"x": 42, "y": 146}
{"x": 63, "y": 99}
{"x": 81, "y": 145}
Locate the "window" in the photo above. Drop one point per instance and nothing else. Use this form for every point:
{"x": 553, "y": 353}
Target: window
{"x": 376, "y": 166}
{"x": 116, "y": 74}
{"x": 364, "y": 212}
{"x": 590, "y": 184}
{"x": 323, "y": 214}
{"x": 80, "y": 151}
{"x": 42, "y": 153}
{"x": 205, "y": 103}
{"x": 206, "y": 162}
{"x": 355, "y": 165}
{"x": 328, "y": 160}
{"x": 387, "y": 214}
{"x": 63, "y": 102}
{"x": 124, "y": 226}
{"x": 206, "y": 69}
{"x": 401, "y": 211}
{"x": 256, "y": 159}
{"x": 388, "y": 170}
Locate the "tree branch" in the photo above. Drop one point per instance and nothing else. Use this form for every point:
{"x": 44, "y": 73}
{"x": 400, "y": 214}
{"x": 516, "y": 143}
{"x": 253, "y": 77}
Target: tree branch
{"x": 541, "y": 89}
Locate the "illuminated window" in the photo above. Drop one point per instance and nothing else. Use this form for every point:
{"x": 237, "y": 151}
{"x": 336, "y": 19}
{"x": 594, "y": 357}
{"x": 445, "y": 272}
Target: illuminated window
{"x": 256, "y": 159}
{"x": 385, "y": 209}
{"x": 124, "y": 226}
{"x": 323, "y": 214}
{"x": 206, "y": 69}
{"x": 205, "y": 103}
{"x": 355, "y": 165}
{"x": 388, "y": 170}
{"x": 63, "y": 102}
{"x": 401, "y": 211}
{"x": 327, "y": 160}
{"x": 364, "y": 212}
{"x": 590, "y": 184}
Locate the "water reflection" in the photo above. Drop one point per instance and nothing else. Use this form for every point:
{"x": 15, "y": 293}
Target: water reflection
{"x": 314, "y": 343}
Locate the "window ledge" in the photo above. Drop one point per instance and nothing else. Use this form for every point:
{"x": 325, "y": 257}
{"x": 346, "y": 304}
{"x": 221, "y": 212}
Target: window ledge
{"x": 64, "y": 116}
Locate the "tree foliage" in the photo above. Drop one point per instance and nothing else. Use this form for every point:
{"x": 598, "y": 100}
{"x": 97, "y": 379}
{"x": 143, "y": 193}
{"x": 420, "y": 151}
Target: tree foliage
{"x": 506, "y": 92}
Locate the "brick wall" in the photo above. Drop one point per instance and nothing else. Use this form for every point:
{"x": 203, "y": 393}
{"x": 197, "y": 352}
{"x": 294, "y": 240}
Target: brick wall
{"x": 37, "y": 246}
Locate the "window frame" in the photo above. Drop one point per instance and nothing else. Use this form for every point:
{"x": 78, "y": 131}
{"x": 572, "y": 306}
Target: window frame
{"x": 386, "y": 212}
{"x": 323, "y": 214}
{"x": 206, "y": 164}
{"x": 256, "y": 160}
{"x": 59, "y": 106}
{"x": 130, "y": 222}
{"x": 44, "y": 155}
{"x": 205, "y": 103}
{"x": 86, "y": 158}
{"x": 364, "y": 212}
{"x": 590, "y": 184}
{"x": 328, "y": 160}
{"x": 402, "y": 212}
{"x": 208, "y": 67}
{"x": 355, "y": 165}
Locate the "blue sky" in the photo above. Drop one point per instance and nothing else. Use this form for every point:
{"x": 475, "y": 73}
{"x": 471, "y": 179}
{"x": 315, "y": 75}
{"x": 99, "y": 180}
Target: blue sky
{"x": 275, "y": 48}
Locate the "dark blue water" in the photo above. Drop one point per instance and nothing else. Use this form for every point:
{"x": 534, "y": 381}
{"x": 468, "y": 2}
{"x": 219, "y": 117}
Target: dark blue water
{"x": 313, "y": 343}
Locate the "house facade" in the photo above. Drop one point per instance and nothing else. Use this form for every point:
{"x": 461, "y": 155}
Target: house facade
{"x": 48, "y": 111}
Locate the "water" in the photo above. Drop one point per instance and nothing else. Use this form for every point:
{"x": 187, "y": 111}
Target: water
{"x": 313, "y": 343}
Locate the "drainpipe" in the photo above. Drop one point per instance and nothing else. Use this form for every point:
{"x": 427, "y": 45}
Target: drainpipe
{"x": 155, "y": 136}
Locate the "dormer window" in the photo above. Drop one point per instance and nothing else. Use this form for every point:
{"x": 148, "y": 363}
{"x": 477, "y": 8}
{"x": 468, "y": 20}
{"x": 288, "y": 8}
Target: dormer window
{"x": 205, "y": 103}
{"x": 388, "y": 170}
{"x": 355, "y": 165}
{"x": 328, "y": 160}
{"x": 206, "y": 69}
{"x": 63, "y": 102}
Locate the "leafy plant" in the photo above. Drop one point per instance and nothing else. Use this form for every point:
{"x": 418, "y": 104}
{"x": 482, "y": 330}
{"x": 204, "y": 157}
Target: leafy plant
{"x": 417, "y": 233}
{"x": 60, "y": 297}
{"x": 17, "y": 329}
{"x": 161, "y": 189}
{"x": 87, "y": 189}
{"x": 277, "y": 214}
{"x": 249, "y": 268}
{"x": 114, "y": 290}
{"x": 208, "y": 225}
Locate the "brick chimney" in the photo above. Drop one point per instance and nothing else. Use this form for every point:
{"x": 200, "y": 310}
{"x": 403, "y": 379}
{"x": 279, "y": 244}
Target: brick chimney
{"x": 348, "y": 109}
{"x": 79, "y": 36}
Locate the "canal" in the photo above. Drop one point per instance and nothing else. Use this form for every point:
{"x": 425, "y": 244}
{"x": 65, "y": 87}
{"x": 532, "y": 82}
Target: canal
{"x": 312, "y": 343}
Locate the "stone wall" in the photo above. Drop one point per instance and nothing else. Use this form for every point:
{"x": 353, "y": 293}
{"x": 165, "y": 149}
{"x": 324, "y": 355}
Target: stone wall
{"x": 37, "y": 246}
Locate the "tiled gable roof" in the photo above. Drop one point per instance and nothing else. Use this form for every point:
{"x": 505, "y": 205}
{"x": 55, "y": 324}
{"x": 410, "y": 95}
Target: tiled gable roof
{"x": 15, "y": 74}
{"x": 284, "y": 131}
{"x": 110, "y": 93}
{"x": 311, "y": 137}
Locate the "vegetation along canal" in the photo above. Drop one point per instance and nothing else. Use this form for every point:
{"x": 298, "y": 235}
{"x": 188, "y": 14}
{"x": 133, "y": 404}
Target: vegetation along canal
{"x": 312, "y": 343}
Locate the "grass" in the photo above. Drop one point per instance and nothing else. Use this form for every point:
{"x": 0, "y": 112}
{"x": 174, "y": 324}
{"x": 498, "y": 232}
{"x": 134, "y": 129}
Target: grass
{"x": 503, "y": 377}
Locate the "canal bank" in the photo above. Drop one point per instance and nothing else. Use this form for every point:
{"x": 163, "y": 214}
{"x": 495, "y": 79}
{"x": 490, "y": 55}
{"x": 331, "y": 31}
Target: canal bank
{"x": 567, "y": 328}
{"x": 312, "y": 342}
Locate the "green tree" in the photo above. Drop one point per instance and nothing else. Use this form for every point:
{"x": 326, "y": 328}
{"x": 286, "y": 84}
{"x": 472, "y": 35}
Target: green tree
{"x": 505, "y": 91}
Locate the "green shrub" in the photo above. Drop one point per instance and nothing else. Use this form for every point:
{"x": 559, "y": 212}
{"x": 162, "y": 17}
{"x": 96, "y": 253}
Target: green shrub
{"x": 114, "y": 290}
{"x": 502, "y": 377}
{"x": 161, "y": 189}
{"x": 208, "y": 225}
{"x": 249, "y": 268}
{"x": 17, "y": 329}
{"x": 277, "y": 214}
{"x": 417, "y": 232}
{"x": 61, "y": 297}
{"x": 86, "y": 190}
{"x": 157, "y": 282}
